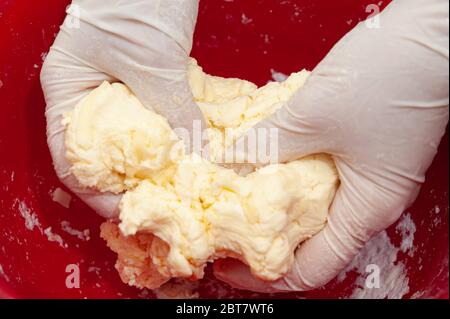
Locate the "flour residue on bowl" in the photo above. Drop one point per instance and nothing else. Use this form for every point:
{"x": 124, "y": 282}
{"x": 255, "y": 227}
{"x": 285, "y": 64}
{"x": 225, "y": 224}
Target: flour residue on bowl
{"x": 381, "y": 252}
{"x": 51, "y": 236}
{"x": 83, "y": 235}
{"x": 407, "y": 229}
{"x": 95, "y": 270}
{"x": 31, "y": 220}
{"x": 245, "y": 20}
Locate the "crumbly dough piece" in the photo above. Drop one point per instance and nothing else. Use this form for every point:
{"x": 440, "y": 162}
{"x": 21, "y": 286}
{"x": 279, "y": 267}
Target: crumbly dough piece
{"x": 199, "y": 211}
{"x": 135, "y": 256}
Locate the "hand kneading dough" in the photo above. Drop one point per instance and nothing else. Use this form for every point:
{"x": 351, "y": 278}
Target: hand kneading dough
{"x": 200, "y": 210}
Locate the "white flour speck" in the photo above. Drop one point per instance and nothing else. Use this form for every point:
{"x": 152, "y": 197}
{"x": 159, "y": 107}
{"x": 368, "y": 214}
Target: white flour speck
{"x": 379, "y": 251}
{"x": 83, "y": 235}
{"x": 245, "y": 19}
{"x": 417, "y": 295}
{"x": 54, "y": 237}
{"x": 30, "y": 218}
{"x": 407, "y": 228}
{"x": 94, "y": 269}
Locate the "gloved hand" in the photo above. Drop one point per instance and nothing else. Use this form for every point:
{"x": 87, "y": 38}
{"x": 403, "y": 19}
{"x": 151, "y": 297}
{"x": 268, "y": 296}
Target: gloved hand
{"x": 144, "y": 44}
{"x": 378, "y": 103}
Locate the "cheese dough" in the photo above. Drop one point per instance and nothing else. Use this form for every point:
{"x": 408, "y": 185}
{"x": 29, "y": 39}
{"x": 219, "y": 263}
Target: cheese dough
{"x": 199, "y": 209}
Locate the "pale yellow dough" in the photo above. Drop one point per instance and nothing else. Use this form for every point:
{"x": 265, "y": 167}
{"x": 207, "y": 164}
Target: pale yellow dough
{"x": 201, "y": 210}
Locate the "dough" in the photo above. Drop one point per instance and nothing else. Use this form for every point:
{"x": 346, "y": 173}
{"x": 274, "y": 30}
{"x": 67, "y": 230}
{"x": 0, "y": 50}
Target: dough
{"x": 200, "y": 210}
{"x": 114, "y": 143}
{"x": 232, "y": 106}
{"x": 204, "y": 211}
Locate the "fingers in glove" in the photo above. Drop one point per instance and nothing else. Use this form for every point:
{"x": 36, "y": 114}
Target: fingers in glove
{"x": 296, "y": 130}
{"x": 65, "y": 81}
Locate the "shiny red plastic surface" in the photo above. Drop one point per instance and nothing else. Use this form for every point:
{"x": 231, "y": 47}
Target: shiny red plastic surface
{"x": 239, "y": 38}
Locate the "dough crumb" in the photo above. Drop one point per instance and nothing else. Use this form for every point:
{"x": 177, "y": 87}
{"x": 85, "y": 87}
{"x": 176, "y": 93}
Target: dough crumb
{"x": 134, "y": 263}
{"x": 61, "y": 197}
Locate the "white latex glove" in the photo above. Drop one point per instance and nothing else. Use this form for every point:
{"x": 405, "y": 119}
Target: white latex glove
{"x": 144, "y": 44}
{"x": 378, "y": 103}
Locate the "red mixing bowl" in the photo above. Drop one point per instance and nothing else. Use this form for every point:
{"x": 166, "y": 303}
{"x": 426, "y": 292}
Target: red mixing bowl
{"x": 240, "y": 38}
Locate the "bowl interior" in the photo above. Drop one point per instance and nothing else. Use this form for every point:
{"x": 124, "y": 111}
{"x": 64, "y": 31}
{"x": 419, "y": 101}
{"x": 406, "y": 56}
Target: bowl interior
{"x": 248, "y": 39}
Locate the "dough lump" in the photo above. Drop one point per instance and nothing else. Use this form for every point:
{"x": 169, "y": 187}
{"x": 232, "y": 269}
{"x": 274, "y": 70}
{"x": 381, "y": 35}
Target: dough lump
{"x": 198, "y": 209}
{"x": 114, "y": 143}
